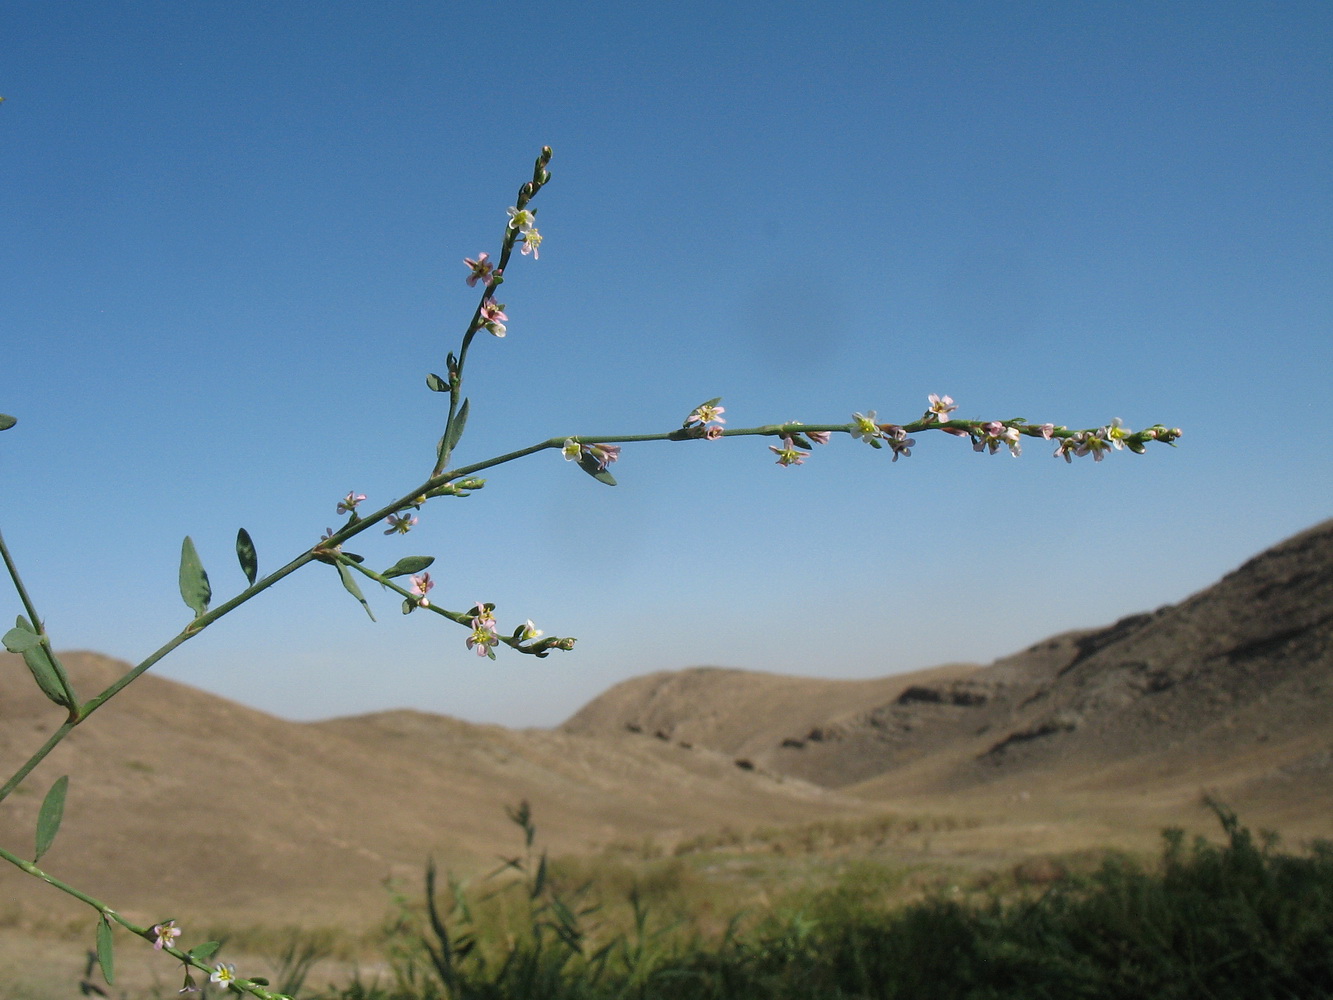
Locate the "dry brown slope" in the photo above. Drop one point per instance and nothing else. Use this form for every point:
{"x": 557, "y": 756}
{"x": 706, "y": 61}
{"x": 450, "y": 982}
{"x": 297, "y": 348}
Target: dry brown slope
{"x": 1229, "y": 691}
{"x": 744, "y": 713}
{"x": 197, "y": 803}
{"x": 1233, "y": 685}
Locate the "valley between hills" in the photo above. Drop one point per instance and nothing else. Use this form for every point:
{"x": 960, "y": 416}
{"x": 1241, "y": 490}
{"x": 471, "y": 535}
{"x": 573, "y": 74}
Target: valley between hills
{"x": 185, "y": 803}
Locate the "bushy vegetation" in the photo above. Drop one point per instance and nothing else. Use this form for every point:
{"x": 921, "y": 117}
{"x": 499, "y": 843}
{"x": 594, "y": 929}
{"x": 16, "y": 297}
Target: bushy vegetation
{"x": 1240, "y": 919}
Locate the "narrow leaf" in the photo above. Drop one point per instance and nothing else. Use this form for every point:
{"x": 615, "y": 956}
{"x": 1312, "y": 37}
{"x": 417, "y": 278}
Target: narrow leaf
{"x": 203, "y": 951}
{"x": 456, "y": 429}
{"x": 50, "y": 815}
{"x": 245, "y": 552}
{"x": 409, "y": 564}
{"x": 436, "y": 384}
{"x": 539, "y": 883}
{"x": 38, "y": 659}
{"x": 6, "y": 421}
{"x": 104, "y": 956}
{"x": 353, "y": 589}
{"x": 593, "y": 468}
{"x": 193, "y": 580}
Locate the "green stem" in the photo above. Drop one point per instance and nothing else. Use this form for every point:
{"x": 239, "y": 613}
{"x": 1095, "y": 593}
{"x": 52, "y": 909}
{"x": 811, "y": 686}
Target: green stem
{"x": 71, "y": 699}
{"x": 193, "y": 629}
{"x": 18, "y": 585}
{"x": 107, "y": 913}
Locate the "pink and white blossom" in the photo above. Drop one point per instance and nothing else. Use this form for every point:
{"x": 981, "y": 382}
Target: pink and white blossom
{"x": 482, "y": 269}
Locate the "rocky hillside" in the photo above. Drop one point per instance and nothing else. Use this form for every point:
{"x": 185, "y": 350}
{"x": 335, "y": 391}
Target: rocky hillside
{"x": 1232, "y": 686}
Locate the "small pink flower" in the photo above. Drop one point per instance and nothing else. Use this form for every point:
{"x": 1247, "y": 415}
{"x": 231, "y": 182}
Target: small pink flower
{"x": 788, "y": 454}
{"x": 899, "y": 442}
{"x": 604, "y": 453}
{"x": 1047, "y": 430}
{"x": 712, "y": 432}
{"x": 993, "y": 434}
{"x": 532, "y": 241}
{"x": 400, "y": 524}
{"x": 482, "y": 269}
{"x": 482, "y": 639}
{"x": 484, "y": 618}
{"x": 940, "y": 407}
{"x": 492, "y": 317}
{"x": 706, "y": 414}
{"x": 347, "y": 505}
{"x": 1096, "y": 445}
{"x": 165, "y": 934}
{"x": 820, "y": 437}
{"x": 421, "y": 585}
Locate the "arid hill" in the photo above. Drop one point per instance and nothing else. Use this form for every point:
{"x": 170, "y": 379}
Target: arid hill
{"x": 198, "y": 804}
{"x": 195, "y": 802}
{"x": 1229, "y": 691}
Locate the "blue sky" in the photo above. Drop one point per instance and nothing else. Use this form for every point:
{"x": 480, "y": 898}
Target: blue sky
{"x": 232, "y": 240}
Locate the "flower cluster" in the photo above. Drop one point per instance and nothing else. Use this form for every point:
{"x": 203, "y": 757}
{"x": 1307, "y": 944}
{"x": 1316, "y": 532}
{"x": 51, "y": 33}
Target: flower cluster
{"x": 990, "y": 436}
{"x": 526, "y": 223}
{"x": 602, "y": 454}
{"x": 483, "y": 638}
{"x": 1095, "y": 443}
{"x": 223, "y": 974}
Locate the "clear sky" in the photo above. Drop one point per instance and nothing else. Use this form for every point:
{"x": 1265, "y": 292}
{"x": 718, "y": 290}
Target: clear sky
{"x": 232, "y": 239}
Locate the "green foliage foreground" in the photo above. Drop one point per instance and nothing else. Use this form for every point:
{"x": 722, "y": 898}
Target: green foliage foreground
{"x": 1236, "y": 920}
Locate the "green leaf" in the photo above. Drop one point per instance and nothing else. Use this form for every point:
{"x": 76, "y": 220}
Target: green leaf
{"x": 456, "y": 428}
{"x": 104, "y": 956}
{"x": 20, "y": 640}
{"x": 38, "y": 659}
{"x": 539, "y": 883}
{"x": 50, "y": 815}
{"x": 193, "y": 580}
{"x": 245, "y": 552}
{"x": 6, "y": 421}
{"x": 436, "y": 384}
{"x": 590, "y": 465}
{"x": 203, "y": 951}
{"x": 407, "y": 565}
{"x": 353, "y": 589}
